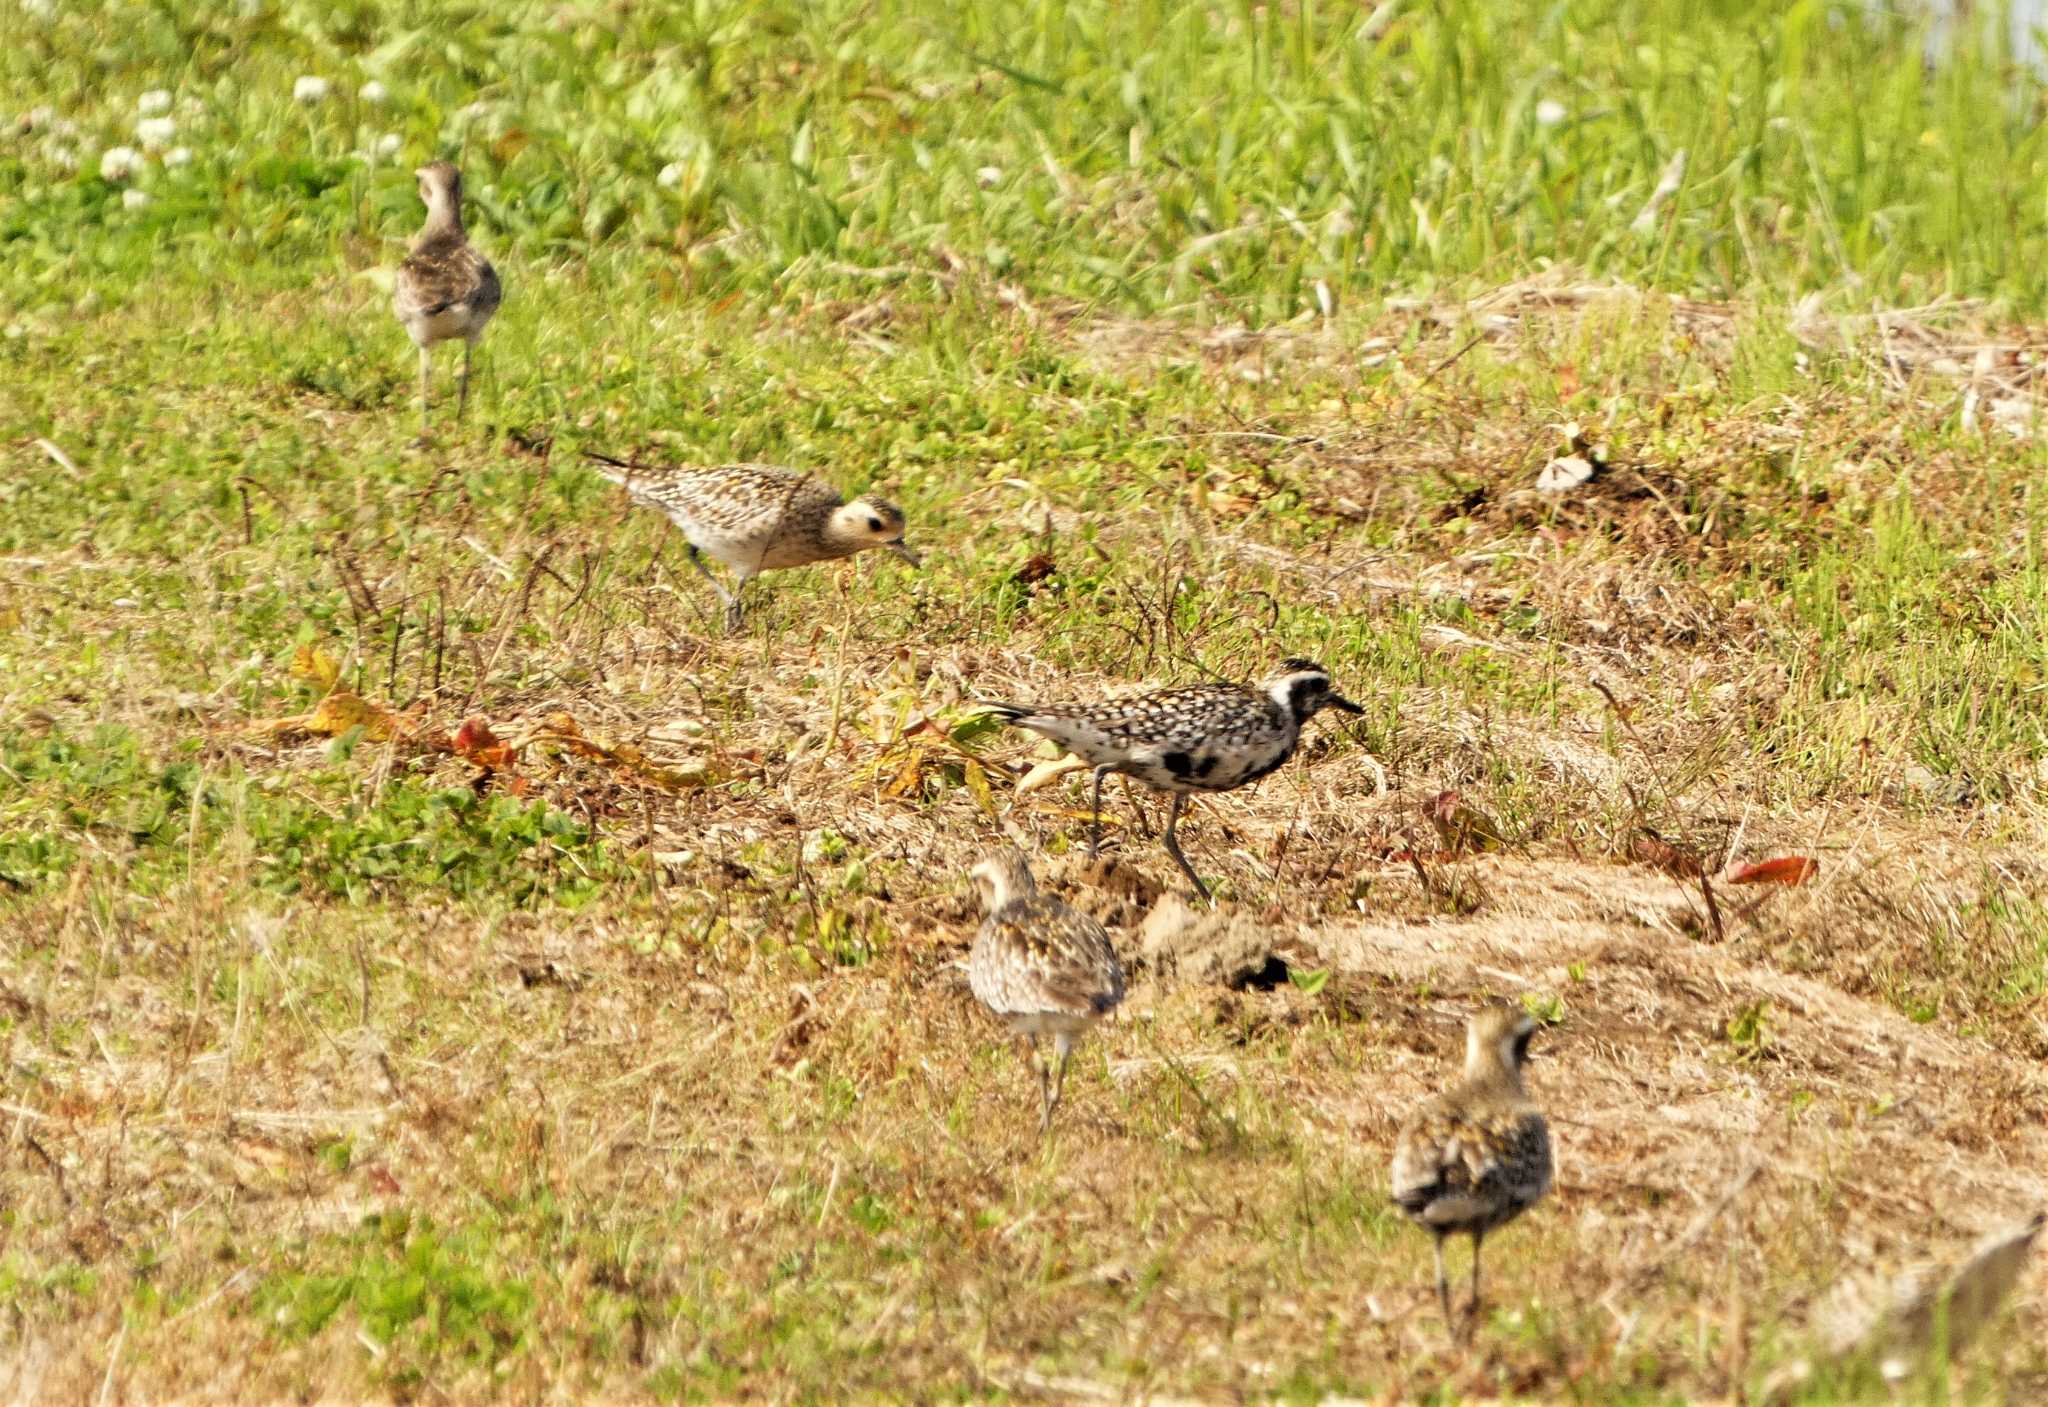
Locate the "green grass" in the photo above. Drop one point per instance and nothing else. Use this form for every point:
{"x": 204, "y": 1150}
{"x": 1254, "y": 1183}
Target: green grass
{"x": 351, "y": 1064}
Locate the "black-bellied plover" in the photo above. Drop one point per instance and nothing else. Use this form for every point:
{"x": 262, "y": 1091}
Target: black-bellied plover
{"x": 755, "y": 517}
{"x": 1204, "y": 737}
{"x": 1477, "y": 1155}
{"x": 1044, "y": 968}
{"x": 446, "y": 288}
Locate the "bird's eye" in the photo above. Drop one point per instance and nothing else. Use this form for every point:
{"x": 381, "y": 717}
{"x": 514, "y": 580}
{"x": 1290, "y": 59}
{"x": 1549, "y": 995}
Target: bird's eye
{"x": 874, "y": 525}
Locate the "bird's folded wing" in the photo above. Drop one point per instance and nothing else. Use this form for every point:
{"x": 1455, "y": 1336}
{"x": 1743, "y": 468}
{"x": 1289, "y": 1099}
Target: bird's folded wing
{"x": 439, "y": 277}
{"x": 1061, "y": 958}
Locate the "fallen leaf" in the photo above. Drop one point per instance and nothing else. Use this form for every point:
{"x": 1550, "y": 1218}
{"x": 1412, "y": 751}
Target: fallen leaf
{"x": 314, "y": 664}
{"x": 977, "y": 786}
{"x": 475, "y": 742}
{"x": 910, "y": 776}
{"x": 1786, "y": 869}
{"x": 1459, "y": 826}
{"x": 1036, "y": 568}
{"x": 563, "y": 729}
{"x": 335, "y": 715}
{"x": 1046, "y": 773}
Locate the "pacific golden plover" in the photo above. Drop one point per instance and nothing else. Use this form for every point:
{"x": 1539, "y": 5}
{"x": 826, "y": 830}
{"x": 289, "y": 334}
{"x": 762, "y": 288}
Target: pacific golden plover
{"x": 754, "y": 518}
{"x": 1205, "y": 737}
{"x": 1478, "y": 1155}
{"x": 446, "y": 288}
{"x": 1042, "y": 967}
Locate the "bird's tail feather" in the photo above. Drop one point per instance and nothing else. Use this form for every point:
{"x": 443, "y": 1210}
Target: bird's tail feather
{"x": 619, "y": 471}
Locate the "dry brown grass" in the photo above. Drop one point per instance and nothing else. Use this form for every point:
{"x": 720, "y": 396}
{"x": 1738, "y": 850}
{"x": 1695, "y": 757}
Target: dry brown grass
{"x": 736, "y": 1126}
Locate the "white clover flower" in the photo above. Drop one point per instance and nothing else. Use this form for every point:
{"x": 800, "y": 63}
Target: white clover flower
{"x": 178, "y": 156}
{"x": 374, "y": 93}
{"x": 119, "y": 164}
{"x": 1550, "y": 112}
{"x": 155, "y": 132}
{"x": 156, "y": 100}
{"x": 671, "y": 175}
{"x": 389, "y": 145}
{"x": 310, "y": 89}
{"x": 134, "y": 200}
{"x": 988, "y": 176}
{"x": 62, "y": 157}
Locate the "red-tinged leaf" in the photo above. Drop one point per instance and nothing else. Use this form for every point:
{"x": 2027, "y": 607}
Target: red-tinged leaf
{"x": 1786, "y": 869}
{"x": 475, "y": 742}
{"x": 383, "y": 1181}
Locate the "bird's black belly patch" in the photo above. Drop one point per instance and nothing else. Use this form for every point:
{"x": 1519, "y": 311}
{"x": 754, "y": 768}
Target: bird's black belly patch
{"x": 1181, "y": 764}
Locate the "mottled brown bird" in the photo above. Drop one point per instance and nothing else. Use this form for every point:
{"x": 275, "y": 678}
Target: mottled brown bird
{"x": 1043, "y": 968}
{"x": 1477, "y": 1155}
{"x": 757, "y": 517}
{"x": 446, "y": 289}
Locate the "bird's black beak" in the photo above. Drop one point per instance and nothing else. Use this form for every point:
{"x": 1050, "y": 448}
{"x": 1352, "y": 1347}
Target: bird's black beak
{"x": 1339, "y": 701}
{"x": 902, "y": 549}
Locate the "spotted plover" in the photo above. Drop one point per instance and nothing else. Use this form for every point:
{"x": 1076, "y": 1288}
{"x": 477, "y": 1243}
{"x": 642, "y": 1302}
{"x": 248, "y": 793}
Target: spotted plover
{"x": 1205, "y": 737}
{"x": 1042, "y": 967}
{"x": 1477, "y": 1155}
{"x": 754, "y": 517}
{"x": 446, "y": 288}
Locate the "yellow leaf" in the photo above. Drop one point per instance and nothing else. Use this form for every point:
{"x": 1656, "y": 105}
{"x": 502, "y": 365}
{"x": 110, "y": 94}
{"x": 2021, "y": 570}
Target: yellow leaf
{"x": 310, "y": 662}
{"x": 341, "y": 711}
{"x": 909, "y": 775}
{"x": 977, "y": 786}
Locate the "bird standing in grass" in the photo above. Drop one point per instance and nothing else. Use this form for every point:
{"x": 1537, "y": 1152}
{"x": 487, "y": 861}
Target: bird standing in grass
{"x": 754, "y": 518}
{"x": 446, "y": 289}
{"x": 1041, "y": 966}
{"x": 1205, "y": 737}
{"x": 1478, "y": 1155}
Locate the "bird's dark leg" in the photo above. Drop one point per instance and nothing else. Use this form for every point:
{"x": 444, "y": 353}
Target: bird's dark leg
{"x": 1443, "y": 1282}
{"x": 730, "y": 599}
{"x": 1065, "y": 1046}
{"x": 1046, "y": 1096}
{"x": 426, "y": 367}
{"x": 1472, "y": 1321}
{"x": 1173, "y": 845}
{"x": 1095, "y": 813}
{"x": 462, "y": 397}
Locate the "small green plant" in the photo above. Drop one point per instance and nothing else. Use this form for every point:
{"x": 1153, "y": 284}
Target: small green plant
{"x": 1749, "y": 1031}
{"x": 1309, "y": 981}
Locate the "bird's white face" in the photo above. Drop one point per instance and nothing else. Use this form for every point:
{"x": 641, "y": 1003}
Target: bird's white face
{"x": 876, "y": 522}
{"x": 1302, "y": 688}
